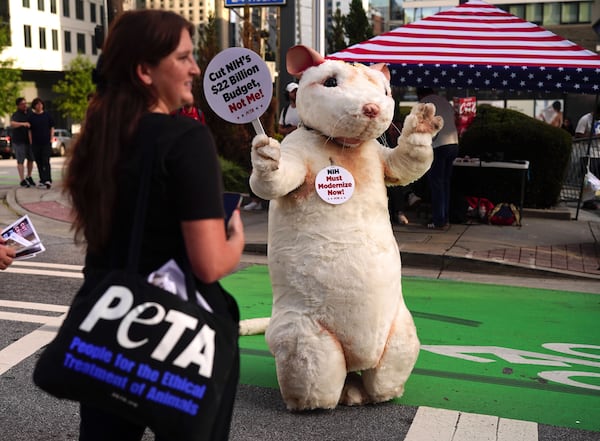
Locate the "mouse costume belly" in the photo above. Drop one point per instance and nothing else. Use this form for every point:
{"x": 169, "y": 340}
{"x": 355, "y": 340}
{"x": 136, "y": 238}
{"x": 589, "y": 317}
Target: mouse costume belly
{"x": 339, "y": 263}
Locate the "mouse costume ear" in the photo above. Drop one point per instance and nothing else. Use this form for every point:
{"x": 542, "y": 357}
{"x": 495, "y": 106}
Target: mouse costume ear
{"x": 299, "y": 58}
{"x": 382, "y": 67}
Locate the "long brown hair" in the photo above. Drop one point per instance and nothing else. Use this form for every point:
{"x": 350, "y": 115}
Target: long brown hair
{"x": 134, "y": 38}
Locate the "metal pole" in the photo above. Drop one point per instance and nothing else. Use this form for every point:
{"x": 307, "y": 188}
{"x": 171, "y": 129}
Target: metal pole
{"x": 286, "y": 41}
{"x": 222, "y": 25}
{"x": 588, "y": 154}
{"x": 318, "y": 26}
{"x": 278, "y": 59}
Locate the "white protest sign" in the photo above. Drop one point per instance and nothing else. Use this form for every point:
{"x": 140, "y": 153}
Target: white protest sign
{"x": 334, "y": 184}
{"x": 238, "y": 86}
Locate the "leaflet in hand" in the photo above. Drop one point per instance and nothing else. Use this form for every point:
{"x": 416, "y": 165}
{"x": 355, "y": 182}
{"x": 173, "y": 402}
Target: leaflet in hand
{"x": 21, "y": 236}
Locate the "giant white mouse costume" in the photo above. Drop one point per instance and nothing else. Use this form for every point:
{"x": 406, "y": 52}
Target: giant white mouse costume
{"x": 340, "y": 331}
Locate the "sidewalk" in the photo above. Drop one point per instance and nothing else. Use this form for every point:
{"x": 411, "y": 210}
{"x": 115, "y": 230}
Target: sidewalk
{"x": 547, "y": 244}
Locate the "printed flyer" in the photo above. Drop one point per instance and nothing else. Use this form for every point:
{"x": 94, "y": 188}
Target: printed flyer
{"x": 21, "y": 235}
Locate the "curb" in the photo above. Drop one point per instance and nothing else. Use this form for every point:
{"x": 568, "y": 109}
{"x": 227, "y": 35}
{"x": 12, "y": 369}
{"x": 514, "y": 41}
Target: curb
{"x": 485, "y": 266}
{"x": 464, "y": 264}
{"x": 12, "y": 203}
{"x": 415, "y": 259}
{"x": 555, "y": 213}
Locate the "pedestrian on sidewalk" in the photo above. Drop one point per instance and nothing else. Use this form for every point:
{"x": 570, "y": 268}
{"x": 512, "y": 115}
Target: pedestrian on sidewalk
{"x": 41, "y": 131}
{"x": 19, "y": 122}
{"x": 445, "y": 150}
{"x": 589, "y": 123}
{"x": 147, "y": 71}
{"x": 400, "y": 198}
{"x": 289, "y": 119}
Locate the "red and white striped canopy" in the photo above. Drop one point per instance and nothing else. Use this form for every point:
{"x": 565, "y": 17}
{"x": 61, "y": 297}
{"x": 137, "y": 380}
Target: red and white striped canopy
{"x": 476, "y": 45}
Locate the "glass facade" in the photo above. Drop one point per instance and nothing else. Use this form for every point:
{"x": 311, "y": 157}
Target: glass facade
{"x": 543, "y": 14}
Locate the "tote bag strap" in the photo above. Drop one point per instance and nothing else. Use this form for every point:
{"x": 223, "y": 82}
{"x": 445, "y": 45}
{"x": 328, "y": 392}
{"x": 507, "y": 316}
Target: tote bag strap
{"x": 139, "y": 217}
{"x": 139, "y": 221}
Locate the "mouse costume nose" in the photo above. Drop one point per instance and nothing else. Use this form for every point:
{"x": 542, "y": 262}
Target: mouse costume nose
{"x": 371, "y": 110}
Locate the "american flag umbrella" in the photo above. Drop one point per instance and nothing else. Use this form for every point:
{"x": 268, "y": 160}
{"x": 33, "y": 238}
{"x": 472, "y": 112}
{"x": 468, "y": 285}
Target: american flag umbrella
{"x": 478, "y": 46}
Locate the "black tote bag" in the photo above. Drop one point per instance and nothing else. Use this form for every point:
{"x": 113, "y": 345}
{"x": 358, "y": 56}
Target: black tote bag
{"x": 135, "y": 350}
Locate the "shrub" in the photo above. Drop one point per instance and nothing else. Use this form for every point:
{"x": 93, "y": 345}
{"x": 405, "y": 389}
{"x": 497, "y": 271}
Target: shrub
{"x": 518, "y": 136}
{"x": 235, "y": 178}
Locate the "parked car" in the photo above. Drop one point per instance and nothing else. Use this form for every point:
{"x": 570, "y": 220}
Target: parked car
{"x": 61, "y": 142}
{"x": 6, "y": 150}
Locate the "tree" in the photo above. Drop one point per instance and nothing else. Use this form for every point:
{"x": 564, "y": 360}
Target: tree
{"x": 10, "y": 77}
{"x": 73, "y": 91}
{"x": 336, "y": 40}
{"x": 356, "y": 24}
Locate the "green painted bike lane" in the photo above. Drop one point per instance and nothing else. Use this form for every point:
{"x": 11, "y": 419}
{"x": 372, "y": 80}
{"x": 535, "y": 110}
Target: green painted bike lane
{"x": 521, "y": 353}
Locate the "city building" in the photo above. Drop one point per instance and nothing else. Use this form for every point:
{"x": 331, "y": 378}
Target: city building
{"x": 571, "y": 19}
{"x": 46, "y": 35}
{"x": 196, "y": 11}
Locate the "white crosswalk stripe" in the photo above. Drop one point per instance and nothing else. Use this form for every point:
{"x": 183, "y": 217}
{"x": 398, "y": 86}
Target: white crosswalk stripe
{"x": 432, "y": 424}
{"x": 46, "y": 269}
{"x": 27, "y": 345}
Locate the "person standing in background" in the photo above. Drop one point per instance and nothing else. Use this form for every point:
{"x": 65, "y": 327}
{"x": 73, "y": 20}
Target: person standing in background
{"x": 191, "y": 111}
{"x": 41, "y": 131}
{"x": 568, "y": 125}
{"x": 553, "y": 114}
{"x": 289, "y": 119}
{"x": 588, "y": 123}
{"x": 557, "y": 119}
{"x": 445, "y": 150}
{"x": 19, "y": 122}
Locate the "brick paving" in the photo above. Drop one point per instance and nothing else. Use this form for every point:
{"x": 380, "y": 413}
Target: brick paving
{"x": 51, "y": 209}
{"x": 583, "y": 258}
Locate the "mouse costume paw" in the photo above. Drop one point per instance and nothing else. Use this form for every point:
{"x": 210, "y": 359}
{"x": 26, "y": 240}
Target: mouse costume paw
{"x": 266, "y": 153}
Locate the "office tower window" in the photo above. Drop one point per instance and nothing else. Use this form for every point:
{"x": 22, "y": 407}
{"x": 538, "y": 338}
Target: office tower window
{"x": 551, "y": 14}
{"x": 533, "y": 12}
{"x": 54, "y": 39}
{"x": 80, "y": 43}
{"x": 585, "y": 12}
{"x": 42, "y": 38}
{"x": 79, "y": 9}
{"x": 68, "y": 42}
{"x": 94, "y": 48}
{"x": 27, "y": 35}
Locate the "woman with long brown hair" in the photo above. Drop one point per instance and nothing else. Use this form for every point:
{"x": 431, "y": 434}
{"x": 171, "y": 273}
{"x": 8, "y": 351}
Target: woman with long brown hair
{"x": 146, "y": 72}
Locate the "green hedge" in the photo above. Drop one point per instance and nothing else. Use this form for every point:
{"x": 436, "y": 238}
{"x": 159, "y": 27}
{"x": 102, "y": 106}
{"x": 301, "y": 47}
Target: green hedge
{"x": 518, "y": 136}
{"x": 514, "y": 136}
{"x": 235, "y": 178}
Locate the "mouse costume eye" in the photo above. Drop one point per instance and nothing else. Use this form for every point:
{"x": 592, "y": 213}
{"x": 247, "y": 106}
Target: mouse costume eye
{"x": 330, "y": 82}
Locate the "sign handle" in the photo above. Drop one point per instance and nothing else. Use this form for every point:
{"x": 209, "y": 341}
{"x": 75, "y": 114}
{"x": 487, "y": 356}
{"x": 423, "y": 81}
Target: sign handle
{"x": 258, "y": 128}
